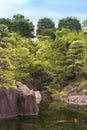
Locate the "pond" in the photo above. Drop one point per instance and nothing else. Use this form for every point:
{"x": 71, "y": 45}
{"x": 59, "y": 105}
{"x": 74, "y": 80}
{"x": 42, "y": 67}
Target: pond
{"x": 61, "y": 119}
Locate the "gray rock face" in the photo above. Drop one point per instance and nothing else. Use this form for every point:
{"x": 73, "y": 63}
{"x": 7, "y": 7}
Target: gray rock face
{"x": 77, "y": 100}
{"x": 22, "y": 88}
{"x": 8, "y": 103}
{"x": 71, "y": 90}
{"x": 38, "y": 97}
{"x": 13, "y": 103}
{"x": 27, "y": 105}
{"x": 67, "y": 88}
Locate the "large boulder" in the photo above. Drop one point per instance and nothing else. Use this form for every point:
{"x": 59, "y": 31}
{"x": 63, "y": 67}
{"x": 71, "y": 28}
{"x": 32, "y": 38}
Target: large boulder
{"x": 27, "y": 105}
{"x": 70, "y": 89}
{"x": 22, "y": 88}
{"x": 67, "y": 88}
{"x": 81, "y": 87}
{"x": 8, "y": 103}
{"x": 38, "y": 97}
{"x": 72, "y": 92}
{"x": 21, "y": 101}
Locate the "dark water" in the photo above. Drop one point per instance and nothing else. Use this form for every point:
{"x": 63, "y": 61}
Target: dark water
{"x": 61, "y": 119}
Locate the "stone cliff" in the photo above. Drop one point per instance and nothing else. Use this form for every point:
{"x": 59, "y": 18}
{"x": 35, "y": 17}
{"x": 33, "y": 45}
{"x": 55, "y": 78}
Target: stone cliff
{"x": 20, "y": 101}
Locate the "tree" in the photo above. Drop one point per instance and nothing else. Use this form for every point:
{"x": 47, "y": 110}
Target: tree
{"x": 3, "y": 30}
{"x": 4, "y": 33}
{"x": 50, "y": 33}
{"x": 75, "y": 59}
{"x": 44, "y": 23}
{"x": 22, "y": 64}
{"x": 22, "y": 26}
{"x": 6, "y": 68}
{"x": 84, "y": 24}
{"x": 7, "y": 22}
{"x": 67, "y": 36}
{"x": 70, "y": 23}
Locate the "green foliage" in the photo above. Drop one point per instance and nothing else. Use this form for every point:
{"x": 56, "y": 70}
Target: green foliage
{"x": 22, "y": 26}
{"x": 57, "y": 105}
{"x": 50, "y": 33}
{"x": 6, "y": 69}
{"x": 18, "y": 24}
{"x": 3, "y": 31}
{"x": 84, "y": 25}
{"x": 67, "y": 36}
{"x": 70, "y": 23}
{"x": 44, "y": 23}
{"x": 57, "y": 94}
{"x": 21, "y": 62}
{"x": 74, "y": 58}
{"x": 7, "y": 22}
{"x": 63, "y": 94}
{"x": 61, "y": 53}
{"x": 53, "y": 92}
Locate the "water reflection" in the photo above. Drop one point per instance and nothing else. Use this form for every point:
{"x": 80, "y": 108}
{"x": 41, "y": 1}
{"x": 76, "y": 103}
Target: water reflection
{"x": 9, "y": 124}
{"x": 33, "y": 124}
{"x": 27, "y": 123}
{"x": 48, "y": 120}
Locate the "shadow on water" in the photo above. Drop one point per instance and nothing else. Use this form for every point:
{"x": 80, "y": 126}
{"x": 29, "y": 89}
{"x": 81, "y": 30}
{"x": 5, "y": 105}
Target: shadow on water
{"x": 61, "y": 119}
{"x": 20, "y": 123}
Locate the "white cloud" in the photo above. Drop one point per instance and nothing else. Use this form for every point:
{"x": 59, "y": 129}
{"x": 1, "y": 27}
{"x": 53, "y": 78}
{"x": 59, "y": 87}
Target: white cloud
{"x": 10, "y": 7}
{"x": 7, "y": 2}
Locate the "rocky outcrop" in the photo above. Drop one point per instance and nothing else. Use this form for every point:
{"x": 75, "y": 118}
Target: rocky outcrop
{"x": 27, "y": 100}
{"x": 27, "y": 105}
{"x": 22, "y": 88}
{"x": 38, "y": 97}
{"x": 80, "y": 100}
{"x": 21, "y": 101}
{"x": 8, "y": 103}
{"x": 76, "y": 96}
{"x": 67, "y": 88}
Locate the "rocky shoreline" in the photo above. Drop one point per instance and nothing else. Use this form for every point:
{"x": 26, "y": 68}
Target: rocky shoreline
{"x": 19, "y": 102}
{"x": 76, "y": 100}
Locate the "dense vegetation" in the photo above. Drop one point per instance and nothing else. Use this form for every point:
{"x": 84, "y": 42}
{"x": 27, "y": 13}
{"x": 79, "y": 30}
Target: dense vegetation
{"x": 58, "y": 53}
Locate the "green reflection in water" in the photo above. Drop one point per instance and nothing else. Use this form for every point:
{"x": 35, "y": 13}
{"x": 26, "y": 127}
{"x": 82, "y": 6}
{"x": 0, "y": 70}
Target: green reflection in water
{"x": 48, "y": 119}
{"x": 61, "y": 119}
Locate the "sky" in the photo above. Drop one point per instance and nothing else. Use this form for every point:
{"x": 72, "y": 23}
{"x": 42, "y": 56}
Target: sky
{"x": 37, "y": 9}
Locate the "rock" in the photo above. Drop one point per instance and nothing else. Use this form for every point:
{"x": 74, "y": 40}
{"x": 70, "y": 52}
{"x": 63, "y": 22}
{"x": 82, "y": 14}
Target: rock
{"x": 38, "y": 97}
{"x": 73, "y": 91}
{"x": 84, "y": 92}
{"x": 8, "y": 103}
{"x": 13, "y": 103}
{"x": 70, "y": 89}
{"x": 67, "y": 88}
{"x": 81, "y": 87}
{"x": 80, "y": 100}
{"x": 22, "y": 88}
{"x": 27, "y": 105}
